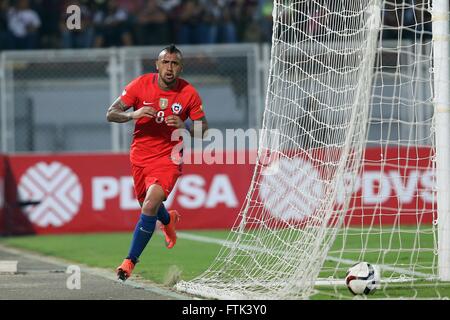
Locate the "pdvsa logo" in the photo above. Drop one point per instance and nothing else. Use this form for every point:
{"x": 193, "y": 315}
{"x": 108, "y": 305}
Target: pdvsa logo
{"x": 292, "y": 190}
{"x": 56, "y": 191}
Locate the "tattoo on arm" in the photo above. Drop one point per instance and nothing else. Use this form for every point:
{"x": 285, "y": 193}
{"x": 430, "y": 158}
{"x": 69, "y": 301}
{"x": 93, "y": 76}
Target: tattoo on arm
{"x": 117, "y": 112}
{"x": 200, "y": 123}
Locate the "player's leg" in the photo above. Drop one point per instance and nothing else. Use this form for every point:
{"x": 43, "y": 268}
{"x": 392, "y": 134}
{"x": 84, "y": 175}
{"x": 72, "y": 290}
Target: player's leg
{"x": 169, "y": 219}
{"x": 149, "y": 198}
{"x": 146, "y": 224}
{"x": 169, "y": 229}
{"x": 162, "y": 215}
{"x": 144, "y": 229}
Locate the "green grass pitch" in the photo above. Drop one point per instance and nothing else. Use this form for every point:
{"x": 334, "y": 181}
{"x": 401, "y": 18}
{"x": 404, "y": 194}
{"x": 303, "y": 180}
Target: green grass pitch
{"x": 191, "y": 257}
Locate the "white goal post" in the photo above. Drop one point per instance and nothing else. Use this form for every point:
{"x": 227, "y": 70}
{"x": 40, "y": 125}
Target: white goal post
{"x": 441, "y": 52}
{"x": 358, "y": 96}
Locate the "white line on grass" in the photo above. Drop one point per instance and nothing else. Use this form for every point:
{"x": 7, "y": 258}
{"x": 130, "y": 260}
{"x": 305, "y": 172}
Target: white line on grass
{"x": 230, "y": 244}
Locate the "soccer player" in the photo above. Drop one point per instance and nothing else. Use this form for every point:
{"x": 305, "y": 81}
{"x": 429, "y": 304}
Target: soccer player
{"x": 161, "y": 102}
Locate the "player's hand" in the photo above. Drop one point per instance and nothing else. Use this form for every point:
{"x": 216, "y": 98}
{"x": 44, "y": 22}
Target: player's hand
{"x": 175, "y": 121}
{"x": 148, "y": 112}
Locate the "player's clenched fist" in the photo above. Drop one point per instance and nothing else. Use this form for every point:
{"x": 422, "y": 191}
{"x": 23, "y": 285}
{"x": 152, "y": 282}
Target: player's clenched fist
{"x": 143, "y": 112}
{"x": 174, "y": 121}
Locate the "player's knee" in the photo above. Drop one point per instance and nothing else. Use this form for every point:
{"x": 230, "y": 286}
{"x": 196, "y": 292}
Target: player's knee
{"x": 150, "y": 206}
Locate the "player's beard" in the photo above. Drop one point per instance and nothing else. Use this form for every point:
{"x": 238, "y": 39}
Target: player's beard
{"x": 169, "y": 83}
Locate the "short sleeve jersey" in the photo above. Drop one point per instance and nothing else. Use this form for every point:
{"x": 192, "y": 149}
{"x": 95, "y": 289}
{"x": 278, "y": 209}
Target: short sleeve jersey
{"x": 152, "y": 136}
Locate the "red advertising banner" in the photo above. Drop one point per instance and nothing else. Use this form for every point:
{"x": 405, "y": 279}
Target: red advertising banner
{"x": 2, "y": 194}
{"x": 397, "y": 185}
{"x": 94, "y": 193}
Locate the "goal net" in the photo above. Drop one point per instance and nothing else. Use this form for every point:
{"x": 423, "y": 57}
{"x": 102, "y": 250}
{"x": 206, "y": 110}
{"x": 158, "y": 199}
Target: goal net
{"x": 353, "y": 177}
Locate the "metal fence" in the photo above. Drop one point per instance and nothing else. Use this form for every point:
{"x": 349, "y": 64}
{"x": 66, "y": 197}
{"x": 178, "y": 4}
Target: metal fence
{"x": 56, "y": 100}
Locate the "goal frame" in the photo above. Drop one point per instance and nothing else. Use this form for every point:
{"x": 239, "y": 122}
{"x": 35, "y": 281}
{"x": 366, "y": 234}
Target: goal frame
{"x": 440, "y": 23}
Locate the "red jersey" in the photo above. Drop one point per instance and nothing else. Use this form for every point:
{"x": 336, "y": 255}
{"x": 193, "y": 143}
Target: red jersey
{"x": 152, "y": 136}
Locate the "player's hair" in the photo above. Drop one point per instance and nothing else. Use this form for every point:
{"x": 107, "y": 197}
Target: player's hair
{"x": 171, "y": 49}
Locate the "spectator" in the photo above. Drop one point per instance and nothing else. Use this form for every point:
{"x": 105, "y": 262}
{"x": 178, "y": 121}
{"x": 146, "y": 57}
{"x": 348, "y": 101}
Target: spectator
{"x": 210, "y": 20}
{"x": 169, "y": 5}
{"x": 189, "y": 15}
{"x": 23, "y": 23}
{"x": 266, "y": 20}
{"x": 133, "y": 7}
{"x": 49, "y": 11}
{"x": 152, "y": 25}
{"x": 4, "y": 34}
{"x": 246, "y": 19}
{"x": 227, "y": 28}
{"x": 423, "y": 23}
{"x": 391, "y": 21}
{"x": 409, "y": 20}
{"x": 82, "y": 38}
{"x": 112, "y": 28}
{"x": 216, "y": 24}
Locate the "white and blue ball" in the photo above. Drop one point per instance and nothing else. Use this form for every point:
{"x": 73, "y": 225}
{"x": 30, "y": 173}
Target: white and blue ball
{"x": 363, "y": 278}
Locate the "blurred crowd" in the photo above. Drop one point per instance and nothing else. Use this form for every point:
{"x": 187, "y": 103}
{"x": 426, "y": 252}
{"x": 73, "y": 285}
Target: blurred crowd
{"x": 30, "y": 24}
{"x": 33, "y": 24}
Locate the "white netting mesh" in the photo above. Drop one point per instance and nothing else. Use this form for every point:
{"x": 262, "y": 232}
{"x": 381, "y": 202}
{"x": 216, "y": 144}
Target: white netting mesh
{"x": 352, "y": 177}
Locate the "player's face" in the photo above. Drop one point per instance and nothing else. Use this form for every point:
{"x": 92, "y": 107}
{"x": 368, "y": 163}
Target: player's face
{"x": 169, "y": 67}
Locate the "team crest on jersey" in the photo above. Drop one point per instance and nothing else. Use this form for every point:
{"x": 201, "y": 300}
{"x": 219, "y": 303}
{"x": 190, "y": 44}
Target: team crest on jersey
{"x": 163, "y": 103}
{"x": 176, "y": 108}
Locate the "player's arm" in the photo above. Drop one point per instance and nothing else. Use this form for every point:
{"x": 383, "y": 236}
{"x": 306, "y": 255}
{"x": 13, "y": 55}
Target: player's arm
{"x": 196, "y": 131}
{"x": 117, "y": 112}
{"x": 199, "y": 128}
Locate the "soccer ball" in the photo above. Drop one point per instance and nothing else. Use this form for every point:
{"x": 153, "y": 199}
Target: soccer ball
{"x": 363, "y": 278}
